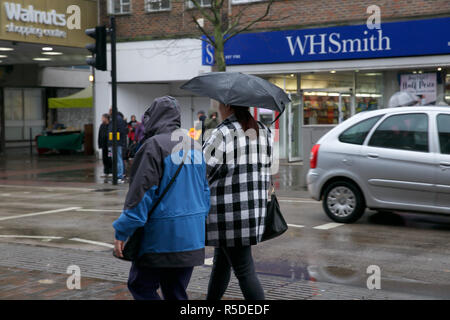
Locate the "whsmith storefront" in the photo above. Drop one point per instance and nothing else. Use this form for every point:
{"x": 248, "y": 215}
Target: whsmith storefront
{"x": 333, "y": 73}
{"x": 42, "y": 56}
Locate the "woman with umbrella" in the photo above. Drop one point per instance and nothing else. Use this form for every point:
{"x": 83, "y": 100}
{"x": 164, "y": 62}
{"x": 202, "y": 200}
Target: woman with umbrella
{"x": 238, "y": 155}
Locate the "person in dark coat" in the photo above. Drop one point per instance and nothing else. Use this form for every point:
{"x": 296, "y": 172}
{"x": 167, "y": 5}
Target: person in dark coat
{"x": 103, "y": 145}
{"x": 212, "y": 122}
{"x": 174, "y": 237}
{"x": 122, "y": 129}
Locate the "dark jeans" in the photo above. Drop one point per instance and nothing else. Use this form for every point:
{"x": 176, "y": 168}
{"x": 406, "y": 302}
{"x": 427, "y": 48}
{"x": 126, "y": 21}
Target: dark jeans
{"x": 143, "y": 283}
{"x": 107, "y": 163}
{"x": 240, "y": 259}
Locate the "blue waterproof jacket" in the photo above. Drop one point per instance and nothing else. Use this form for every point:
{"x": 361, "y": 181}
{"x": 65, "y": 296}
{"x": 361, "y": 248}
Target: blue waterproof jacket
{"x": 175, "y": 233}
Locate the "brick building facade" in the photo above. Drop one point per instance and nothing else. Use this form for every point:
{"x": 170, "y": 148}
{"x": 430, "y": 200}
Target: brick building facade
{"x": 139, "y": 23}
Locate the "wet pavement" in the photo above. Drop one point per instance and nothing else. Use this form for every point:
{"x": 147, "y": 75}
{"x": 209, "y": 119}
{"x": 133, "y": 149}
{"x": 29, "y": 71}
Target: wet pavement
{"x": 61, "y": 202}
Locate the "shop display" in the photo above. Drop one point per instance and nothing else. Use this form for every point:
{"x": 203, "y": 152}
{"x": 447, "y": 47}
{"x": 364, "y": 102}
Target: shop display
{"x": 323, "y": 109}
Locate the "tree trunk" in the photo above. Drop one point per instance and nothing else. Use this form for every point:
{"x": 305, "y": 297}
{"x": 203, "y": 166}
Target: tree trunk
{"x": 219, "y": 49}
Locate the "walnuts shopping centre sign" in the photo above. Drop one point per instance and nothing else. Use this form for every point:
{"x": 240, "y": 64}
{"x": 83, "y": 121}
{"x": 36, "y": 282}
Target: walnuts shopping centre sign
{"x": 58, "y": 22}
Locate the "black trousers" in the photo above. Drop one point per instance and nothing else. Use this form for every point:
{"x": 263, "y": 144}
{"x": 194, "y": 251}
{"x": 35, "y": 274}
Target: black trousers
{"x": 107, "y": 163}
{"x": 241, "y": 260}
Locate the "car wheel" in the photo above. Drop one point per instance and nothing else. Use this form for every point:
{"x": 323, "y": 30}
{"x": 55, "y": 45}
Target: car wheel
{"x": 343, "y": 202}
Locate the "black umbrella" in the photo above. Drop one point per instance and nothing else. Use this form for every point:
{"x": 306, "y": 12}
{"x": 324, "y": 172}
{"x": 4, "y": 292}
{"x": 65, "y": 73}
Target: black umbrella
{"x": 238, "y": 89}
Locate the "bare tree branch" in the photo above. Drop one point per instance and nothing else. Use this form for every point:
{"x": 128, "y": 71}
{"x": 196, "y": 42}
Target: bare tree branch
{"x": 236, "y": 21}
{"x": 210, "y": 40}
{"x": 249, "y": 25}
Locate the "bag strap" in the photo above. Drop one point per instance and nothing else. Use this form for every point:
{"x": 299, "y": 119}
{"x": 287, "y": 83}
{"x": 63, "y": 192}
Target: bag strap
{"x": 167, "y": 187}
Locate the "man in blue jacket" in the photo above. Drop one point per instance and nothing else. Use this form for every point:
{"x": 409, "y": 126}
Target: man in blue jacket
{"x": 174, "y": 237}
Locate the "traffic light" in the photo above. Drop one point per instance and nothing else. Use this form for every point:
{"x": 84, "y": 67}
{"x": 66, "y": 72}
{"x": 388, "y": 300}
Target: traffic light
{"x": 98, "y": 49}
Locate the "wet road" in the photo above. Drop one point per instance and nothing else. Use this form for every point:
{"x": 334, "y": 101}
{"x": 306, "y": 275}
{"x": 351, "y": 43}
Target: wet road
{"x": 71, "y": 208}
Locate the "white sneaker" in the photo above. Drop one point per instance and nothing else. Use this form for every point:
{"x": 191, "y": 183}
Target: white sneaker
{"x": 121, "y": 181}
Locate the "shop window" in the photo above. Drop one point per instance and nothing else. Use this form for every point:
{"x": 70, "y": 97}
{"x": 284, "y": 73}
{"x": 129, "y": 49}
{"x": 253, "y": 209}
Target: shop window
{"x": 13, "y": 104}
{"x": 32, "y": 104}
{"x": 403, "y": 132}
{"x": 443, "y": 121}
{"x": 202, "y": 3}
{"x": 157, "y": 5}
{"x": 326, "y": 97}
{"x": 23, "y": 111}
{"x": 358, "y": 133}
{"x": 326, "y": 107}
{"x": 369, "y": 91}
{"x": 119, "y": 6}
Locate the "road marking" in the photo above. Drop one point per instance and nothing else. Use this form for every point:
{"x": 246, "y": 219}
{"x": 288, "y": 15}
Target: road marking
{"x": 298, "y": 200}
{"x": 327, "y": 226}
{"x": 40, "y": 188}
{"x": 39, "y": 213}
{"x": 98, "y": 210}
{"x": 103, "y": 244}
{"x": 209, "y": 261}
{"x": 28, "y": 237}
{"x": 5, "y": 194}
{"x": 295, "y": 225}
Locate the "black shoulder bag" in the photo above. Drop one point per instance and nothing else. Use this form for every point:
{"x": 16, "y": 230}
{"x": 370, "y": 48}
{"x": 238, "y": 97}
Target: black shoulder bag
{"x": 274, "y": 223}
{"x": 132, "y": 246}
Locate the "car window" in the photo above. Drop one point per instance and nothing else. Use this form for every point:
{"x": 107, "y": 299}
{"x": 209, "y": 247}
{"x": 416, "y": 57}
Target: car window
{"x": 402, "y": 131}
{"x": 443, "y": 121}
{"x": 357, "y": 133}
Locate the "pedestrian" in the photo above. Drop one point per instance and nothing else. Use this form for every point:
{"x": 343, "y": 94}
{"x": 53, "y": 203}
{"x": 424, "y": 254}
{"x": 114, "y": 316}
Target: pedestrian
{"x": 212, "y": 122}
{"x": 201, "y": 115}
{"x": 139, "y": 135}
{"x": 103, "y": 145}
{"x": 238, "y": 157}
{"x": 140, "y": 129}
{"x": 174, "y": 239}
{"x": 121, "y": 143}
{"x": 132, "y": 129}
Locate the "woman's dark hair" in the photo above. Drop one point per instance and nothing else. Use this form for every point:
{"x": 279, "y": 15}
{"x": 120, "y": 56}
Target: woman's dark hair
{"x": 245, "y": 118}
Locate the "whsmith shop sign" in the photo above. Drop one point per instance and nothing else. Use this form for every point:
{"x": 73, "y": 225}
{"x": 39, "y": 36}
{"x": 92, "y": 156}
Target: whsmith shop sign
{"x": 56, "y": 22}
{"x": 393, "y": 39}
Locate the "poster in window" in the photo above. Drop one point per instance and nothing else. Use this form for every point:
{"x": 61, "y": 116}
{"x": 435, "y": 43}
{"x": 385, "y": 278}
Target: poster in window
{"x": 422, "y": 85}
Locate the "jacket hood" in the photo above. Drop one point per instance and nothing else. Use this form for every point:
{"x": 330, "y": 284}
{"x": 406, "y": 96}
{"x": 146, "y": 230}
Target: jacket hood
{"x": 163, "y": 116}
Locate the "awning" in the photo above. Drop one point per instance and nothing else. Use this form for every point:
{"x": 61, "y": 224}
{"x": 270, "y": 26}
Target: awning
{"x": 81, "y": 99}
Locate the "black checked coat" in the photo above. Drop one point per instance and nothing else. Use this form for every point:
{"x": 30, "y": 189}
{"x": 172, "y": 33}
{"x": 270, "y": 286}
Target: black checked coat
{"x": 238, "y": 169}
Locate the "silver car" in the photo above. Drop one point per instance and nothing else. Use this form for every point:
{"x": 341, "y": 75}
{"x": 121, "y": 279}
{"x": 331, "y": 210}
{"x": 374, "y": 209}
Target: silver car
{"x": 390, "y": 159}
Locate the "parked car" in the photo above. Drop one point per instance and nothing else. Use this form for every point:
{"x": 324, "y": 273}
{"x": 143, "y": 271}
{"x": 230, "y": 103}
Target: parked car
{"x": 387, "y": 160}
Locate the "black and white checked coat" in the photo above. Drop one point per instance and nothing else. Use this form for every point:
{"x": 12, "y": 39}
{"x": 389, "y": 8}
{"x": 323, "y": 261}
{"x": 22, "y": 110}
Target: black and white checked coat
{"x": 238, "y": 168}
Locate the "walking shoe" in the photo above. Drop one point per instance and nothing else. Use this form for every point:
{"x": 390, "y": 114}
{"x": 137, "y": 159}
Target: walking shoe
{"x": 121, "y": 181}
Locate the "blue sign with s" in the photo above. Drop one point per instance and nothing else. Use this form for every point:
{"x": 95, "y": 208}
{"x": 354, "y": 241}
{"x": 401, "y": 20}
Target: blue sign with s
{"x": 393, "y": 39}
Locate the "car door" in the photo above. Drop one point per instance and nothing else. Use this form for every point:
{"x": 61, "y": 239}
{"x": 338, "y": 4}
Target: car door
{"x": 397, "y": 165}
{"x": 443, "y": 161}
